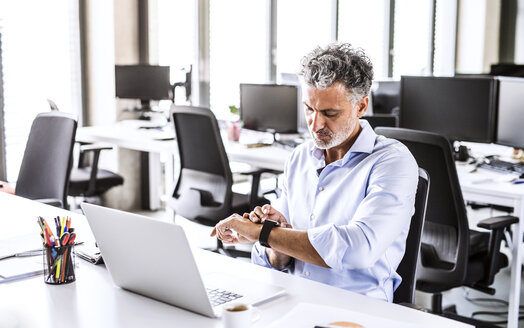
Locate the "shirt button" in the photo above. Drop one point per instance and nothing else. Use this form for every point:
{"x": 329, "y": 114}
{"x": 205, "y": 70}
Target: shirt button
{"x": 320, "y": 188}
{"x": 312, "y": 216}
{"x": 307, "y": 273}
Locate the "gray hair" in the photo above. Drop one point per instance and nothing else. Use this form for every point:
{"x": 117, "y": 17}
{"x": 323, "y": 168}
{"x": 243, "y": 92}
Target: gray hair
{"x": 338, "y": 62}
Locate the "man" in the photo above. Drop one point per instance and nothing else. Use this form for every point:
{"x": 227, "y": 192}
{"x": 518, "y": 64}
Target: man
{"x": 348, "y": 195}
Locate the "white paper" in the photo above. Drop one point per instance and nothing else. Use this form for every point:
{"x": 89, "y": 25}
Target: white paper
{"x": 307, "y": 315}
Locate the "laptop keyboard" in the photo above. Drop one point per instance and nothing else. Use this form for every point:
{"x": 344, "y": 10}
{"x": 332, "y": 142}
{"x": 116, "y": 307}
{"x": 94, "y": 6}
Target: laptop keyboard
{"x": 220, "y": 296}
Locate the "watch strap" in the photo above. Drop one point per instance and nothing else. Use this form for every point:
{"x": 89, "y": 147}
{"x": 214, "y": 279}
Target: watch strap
{"x": 264, "y": 233}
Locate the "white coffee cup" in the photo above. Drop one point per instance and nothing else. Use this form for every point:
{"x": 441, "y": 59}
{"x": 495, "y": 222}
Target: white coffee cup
{"x": 239, "y": 315}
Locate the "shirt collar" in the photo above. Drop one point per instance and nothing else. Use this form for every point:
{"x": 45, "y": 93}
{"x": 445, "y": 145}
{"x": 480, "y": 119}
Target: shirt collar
{"x": 365, "y": 143}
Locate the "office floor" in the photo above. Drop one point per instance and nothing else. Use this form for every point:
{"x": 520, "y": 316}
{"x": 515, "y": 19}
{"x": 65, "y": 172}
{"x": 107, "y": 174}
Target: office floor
{"x": 198, "y": 235}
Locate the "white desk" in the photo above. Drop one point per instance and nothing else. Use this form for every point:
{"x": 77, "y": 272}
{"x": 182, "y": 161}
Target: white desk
{"x": 490, "y": 188}
{"x": 93, "y": 301}
{"x": 495, "y": 192}
{"x": 128, "y": 135}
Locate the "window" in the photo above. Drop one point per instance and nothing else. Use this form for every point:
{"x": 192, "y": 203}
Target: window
{"x": 445, "y": 37}
{"x": 301, "y": 26}
{"x": 365, "y": 24}
{"x": 176, "y": 40}
{"x": 41, "y": 60}
{"x": 238, "y": 33}
{"x": 412, "y": 41}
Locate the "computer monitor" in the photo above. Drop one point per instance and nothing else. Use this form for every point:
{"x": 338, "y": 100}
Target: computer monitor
{"x": 386, "y": 97}
{"x": 269, "y": 107}
{"x": 502, "y": 69}
{"x": 460, "y": 108}
{"x": 510, "y": 131}
{"x": 144, "y": 82}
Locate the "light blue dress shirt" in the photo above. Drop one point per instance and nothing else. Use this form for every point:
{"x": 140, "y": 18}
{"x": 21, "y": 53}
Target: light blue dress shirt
{"x": 356, "y": 211}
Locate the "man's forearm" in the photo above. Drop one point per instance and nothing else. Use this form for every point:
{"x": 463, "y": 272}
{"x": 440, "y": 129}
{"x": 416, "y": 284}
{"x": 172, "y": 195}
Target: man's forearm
{"x": 295, "y": 244}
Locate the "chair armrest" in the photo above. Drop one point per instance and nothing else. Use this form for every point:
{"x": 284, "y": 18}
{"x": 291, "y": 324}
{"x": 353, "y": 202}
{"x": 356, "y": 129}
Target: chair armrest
{"x": 96, "y": 149}
{"x": 50, "y": 201}
{"x": 93, "y": 147}
{"x": 255, "y": 183}
{"x": 498, "y": 222}
{"x": 257, "y": 171}
{"x": 497, "y": 225}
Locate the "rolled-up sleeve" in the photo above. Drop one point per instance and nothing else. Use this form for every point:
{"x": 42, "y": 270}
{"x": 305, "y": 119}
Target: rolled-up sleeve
{"x": 379, "y": 220}
{"x": 258, "y": 256}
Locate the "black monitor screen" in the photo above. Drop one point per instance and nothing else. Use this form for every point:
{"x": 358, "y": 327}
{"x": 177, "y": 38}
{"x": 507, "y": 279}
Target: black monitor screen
{"x": 269, "y": 106}
{"x": 460, "y": 108}
{"x": 386, "y": 97}
{"x": 511, "y": 112}
{"x": 507, "y": 70}
{"x": 145, "y": 82}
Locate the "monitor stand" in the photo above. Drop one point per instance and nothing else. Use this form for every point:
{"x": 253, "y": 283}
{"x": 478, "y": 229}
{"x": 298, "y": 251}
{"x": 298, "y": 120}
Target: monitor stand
{"x": 144, "y": 110}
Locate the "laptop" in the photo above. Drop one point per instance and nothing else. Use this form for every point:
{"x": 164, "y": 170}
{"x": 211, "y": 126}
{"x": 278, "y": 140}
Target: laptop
{"x": 154, "y": 259}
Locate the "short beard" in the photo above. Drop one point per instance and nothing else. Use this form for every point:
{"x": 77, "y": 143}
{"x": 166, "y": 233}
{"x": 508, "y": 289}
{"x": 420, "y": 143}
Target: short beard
{"x": 334, "y": 139}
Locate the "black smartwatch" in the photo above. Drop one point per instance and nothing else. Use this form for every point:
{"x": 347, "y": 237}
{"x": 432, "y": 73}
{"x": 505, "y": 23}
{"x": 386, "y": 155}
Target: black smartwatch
{"x": 264, "y": 233}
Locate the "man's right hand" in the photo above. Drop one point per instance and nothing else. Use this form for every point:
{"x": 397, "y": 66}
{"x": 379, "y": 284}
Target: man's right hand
{"x": 259, "y": 214}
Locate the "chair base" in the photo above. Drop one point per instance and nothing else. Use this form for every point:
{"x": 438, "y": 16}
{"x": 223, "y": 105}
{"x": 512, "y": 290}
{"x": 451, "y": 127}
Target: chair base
{"x": 470, "y": 321}
{"x": 450, "y": 312}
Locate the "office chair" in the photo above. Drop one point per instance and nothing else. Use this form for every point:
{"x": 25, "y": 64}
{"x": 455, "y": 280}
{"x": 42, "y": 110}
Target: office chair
{"x": 46, "y": 165}
{"x": 405, "y": 292}
{"x": 388, "y": 120}
{"x": 203, "y": 192}
{"x": 451, "y": 255}
{"x": 87, "y": 180}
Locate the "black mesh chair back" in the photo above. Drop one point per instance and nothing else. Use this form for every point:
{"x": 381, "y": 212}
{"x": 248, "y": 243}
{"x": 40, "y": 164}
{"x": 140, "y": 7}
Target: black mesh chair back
{"x": 405, "y": 293}
{"x": 203, "y": 190}
{"x": 446, "y": 231}
{"x": 46, "y": 165}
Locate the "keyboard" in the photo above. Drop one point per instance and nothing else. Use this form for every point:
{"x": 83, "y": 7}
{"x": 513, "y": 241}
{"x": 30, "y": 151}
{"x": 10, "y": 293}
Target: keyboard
{"x": 502, "y": 166}
{"x": 220, "y": 296}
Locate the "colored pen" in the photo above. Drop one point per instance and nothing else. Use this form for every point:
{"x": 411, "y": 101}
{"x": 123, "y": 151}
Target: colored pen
{"x": 47, "y": 239}
{"x": 63, "y": 226}
{"x": 57, "y": 226}
{"x": 49, "y": 231}
{"x": 40, "y": 224}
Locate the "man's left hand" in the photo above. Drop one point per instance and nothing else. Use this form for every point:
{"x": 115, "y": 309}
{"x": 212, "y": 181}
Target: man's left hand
{"x": 236, "y": 229}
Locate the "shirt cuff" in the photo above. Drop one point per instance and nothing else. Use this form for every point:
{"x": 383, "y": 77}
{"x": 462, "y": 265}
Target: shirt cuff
{"x": 321, "y": 236}
{"x": 259, "y": 257}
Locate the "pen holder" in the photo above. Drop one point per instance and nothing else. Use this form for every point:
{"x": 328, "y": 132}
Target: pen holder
{"x": 59, "y": 265}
